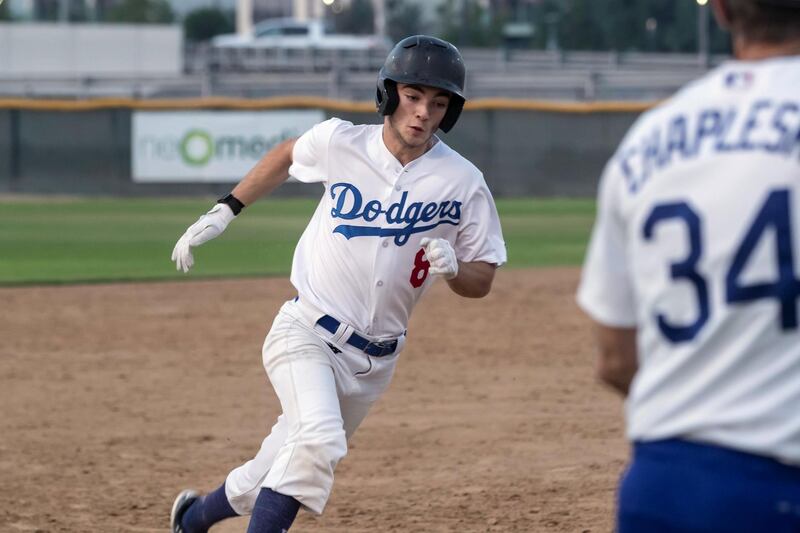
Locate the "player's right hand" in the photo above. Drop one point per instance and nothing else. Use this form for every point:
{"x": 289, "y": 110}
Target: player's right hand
{"x": 206, "y": 228}
{"x": 441, "y": 256}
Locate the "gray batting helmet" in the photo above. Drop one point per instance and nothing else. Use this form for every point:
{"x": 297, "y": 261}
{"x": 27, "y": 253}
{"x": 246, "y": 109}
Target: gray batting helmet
{"x": 423, "y": 60}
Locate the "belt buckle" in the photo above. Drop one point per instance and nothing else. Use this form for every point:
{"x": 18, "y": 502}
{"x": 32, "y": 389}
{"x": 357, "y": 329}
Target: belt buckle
{"x": 384, "y": 347}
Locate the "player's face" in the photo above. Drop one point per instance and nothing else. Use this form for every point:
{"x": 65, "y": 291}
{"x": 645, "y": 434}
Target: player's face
{"x": 418, "y": 114}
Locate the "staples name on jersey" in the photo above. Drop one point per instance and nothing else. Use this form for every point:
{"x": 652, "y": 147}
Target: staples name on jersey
{"x": 350, "y": 206}
{"x": 768, "y": 126}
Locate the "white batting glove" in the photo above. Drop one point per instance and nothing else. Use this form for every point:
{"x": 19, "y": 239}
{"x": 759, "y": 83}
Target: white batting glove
{"x": 441, "y": 256}
{"x": 206, "y": 228}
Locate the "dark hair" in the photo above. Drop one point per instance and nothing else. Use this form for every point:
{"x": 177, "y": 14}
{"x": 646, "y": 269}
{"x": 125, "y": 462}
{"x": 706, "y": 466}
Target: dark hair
{"x": 765, "y": 22}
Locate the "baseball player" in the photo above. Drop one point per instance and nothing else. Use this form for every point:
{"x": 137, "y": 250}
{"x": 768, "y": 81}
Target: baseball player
{"x": 400, "y": 208}
{"x": 693, "y": 277}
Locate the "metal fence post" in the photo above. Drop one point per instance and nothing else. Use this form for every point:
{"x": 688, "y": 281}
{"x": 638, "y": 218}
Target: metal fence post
{"x": 335, "y": 82}
{"x": 14, "y": 151}
{"x": 206, "y": 74}
{"x": 590, "y": 87}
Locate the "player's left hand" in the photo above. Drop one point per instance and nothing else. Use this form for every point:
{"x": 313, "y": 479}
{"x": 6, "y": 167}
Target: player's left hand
{"x": 441, "y": 256}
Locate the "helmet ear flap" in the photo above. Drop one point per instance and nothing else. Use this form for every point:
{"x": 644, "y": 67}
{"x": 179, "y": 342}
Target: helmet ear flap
{"x": 386, "y": 97}
{"x": 452, "y": 114}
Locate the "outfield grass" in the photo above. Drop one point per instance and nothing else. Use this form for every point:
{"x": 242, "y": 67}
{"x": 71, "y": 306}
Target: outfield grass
{"x": 65, "y": 241}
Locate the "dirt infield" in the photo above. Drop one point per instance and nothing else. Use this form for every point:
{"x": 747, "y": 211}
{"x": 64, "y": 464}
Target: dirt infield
{"x": 114, "y": 397}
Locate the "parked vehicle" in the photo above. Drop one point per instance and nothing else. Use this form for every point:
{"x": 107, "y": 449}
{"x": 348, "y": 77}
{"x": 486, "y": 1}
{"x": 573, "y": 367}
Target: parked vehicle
{"x": 290, "y": 34}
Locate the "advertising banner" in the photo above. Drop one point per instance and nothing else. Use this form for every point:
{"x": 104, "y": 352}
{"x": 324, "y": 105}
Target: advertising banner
{"x": 209, "y": 146}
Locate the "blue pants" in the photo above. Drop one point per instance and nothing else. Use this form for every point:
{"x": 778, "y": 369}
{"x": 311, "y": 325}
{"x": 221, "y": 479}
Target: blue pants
{"x": 674, "y": 486}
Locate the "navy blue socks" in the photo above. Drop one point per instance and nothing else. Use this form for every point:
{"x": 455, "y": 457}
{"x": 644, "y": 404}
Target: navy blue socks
{"x": 207, "y": 511}
{"x": 273, "y": 512}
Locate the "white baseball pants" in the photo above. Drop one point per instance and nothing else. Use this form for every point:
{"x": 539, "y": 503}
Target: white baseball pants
{"x": 324, "y": 397}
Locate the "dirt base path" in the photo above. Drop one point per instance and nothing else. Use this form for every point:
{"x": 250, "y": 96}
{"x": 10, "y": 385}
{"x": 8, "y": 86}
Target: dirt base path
{"x": 115, "y": 397}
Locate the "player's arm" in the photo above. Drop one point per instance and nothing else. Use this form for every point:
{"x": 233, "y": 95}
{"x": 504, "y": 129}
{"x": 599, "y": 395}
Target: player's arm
{"x": 468, "y": 279}
{"x": 271, "y": 171}
{"x": 616, "y": 359}
{"x": 263, "y": 178}
{"x": 474, "y": 280}
{"x": 479, "y": 241}
{"x": 606, "y": 292}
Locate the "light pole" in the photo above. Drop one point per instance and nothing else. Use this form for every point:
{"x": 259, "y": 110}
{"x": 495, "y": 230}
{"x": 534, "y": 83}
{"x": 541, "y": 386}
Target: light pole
{"x": 379, "y": 8}
{"x": 551, "y": 20}
{"x": 703, "y": 54}
{"x": 651, "y": 25}
{"x": 63, "y": 11}
{"x": 244, "y": 17}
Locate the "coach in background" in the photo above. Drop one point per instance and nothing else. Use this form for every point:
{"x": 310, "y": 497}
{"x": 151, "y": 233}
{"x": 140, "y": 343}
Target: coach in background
{"x": 692, "y": 281}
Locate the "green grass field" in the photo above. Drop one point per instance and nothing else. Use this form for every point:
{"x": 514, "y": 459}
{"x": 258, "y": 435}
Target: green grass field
{"x": 67, "y": 241}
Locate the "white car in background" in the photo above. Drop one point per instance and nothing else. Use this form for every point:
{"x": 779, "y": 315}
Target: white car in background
{"x": 289, "y": 34}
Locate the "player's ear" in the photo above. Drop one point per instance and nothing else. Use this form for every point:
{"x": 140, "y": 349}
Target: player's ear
{"x": 722, "y": 13}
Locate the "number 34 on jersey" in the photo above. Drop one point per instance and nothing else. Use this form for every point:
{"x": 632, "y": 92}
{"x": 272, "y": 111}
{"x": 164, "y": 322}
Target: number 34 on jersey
{"x": 773, "y": 217}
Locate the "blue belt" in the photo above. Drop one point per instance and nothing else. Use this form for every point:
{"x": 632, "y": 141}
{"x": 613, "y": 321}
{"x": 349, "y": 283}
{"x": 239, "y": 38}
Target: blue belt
{"x": 375, "y": 349}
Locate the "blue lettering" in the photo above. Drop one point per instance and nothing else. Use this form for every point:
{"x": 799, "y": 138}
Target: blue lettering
{"x": 395, "y": 212}
{"x": 676, "y": 140}
{"x": 650, "y": 154}
{"x": 401, "y": 235}
{"x": 796, "y": 140}
{"x": 347, "y": 205}
{"x": 765, "y": 126}
{"x": 429, "y": 212}
{"x": 751, "y": 123}
{"x": 349, "y": 191}
{"x": 627, "y": 171}
{"x": 412, "y": 214}
{"x": 372, "y": 210}
{"x": 784, "y": 141}
{"x": 726, "y": 128}
{"x": 455, "y": 211}
{"x": 708, "y": 125}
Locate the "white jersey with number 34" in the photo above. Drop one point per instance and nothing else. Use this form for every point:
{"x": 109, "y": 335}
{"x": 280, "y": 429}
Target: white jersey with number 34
{"x": 697, "y": 245}
{"x": 360, "y": 258}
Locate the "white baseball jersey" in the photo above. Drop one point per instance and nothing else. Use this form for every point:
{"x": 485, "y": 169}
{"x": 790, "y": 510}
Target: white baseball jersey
{"x": 360, "y": 259}
{"x": 697, "y": 245}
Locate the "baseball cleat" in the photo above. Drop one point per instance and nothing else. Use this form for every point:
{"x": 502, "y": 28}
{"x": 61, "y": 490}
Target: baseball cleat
{"x": 184, "y": 500}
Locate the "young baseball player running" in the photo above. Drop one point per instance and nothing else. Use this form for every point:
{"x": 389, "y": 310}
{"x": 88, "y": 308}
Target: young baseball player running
{"x": 693, "y": 279}
{"x": 400, "y": 207}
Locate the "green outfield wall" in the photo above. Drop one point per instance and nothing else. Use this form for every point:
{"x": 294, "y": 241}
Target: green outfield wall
{"x": 524, "y": 148}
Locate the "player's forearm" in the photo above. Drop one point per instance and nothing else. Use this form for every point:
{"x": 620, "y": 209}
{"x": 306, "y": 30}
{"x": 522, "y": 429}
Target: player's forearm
{"x": 474, "y": 280}
{"x": 617, "y": 361}
{"x": 271, "y": 171}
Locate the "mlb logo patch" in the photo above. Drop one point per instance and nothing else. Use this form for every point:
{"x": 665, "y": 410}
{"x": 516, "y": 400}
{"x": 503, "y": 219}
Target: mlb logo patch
{"x": 739, "y": 80}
